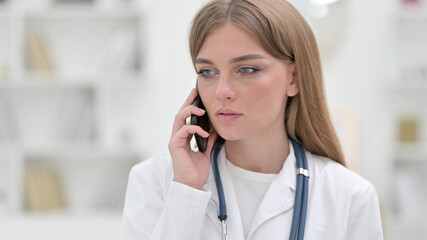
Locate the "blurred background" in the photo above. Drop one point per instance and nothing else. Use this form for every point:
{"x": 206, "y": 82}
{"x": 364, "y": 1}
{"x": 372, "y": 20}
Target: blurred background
{"x": 88, "y": 88}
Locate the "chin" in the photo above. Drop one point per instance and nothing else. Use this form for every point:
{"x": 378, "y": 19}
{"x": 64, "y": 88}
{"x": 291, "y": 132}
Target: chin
{"x": 229, "y": 135}
{"x": 232, "y": 132}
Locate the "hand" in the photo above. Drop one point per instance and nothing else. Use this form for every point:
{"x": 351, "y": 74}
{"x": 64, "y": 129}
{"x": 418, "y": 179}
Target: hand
{"x": 190, "y": 168}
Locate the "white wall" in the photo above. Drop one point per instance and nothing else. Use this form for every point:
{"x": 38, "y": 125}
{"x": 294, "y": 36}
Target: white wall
{"x": 170, "y": 71}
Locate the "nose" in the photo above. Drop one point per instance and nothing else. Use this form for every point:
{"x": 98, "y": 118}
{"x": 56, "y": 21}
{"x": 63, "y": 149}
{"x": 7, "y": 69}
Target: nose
{"x": 225, "y": 91}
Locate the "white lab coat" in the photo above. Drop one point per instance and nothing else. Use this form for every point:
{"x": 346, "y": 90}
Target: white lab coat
{"x": 341, "y": 205}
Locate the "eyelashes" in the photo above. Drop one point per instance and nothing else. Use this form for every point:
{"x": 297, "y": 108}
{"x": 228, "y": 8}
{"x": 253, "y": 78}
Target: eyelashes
{"x": 205, "y": 73}
{"x": 249, "y": 70}
{"x": 241, "y": 72}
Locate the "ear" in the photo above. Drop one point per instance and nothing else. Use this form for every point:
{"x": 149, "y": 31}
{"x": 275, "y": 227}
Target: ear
{"x": 293, "y": 87}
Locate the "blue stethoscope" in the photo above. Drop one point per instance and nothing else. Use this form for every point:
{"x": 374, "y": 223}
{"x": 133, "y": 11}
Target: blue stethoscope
{"x": 301, "y": 197}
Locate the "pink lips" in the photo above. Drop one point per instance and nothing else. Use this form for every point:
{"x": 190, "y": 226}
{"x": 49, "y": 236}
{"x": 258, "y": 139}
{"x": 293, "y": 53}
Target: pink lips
{"x": 227, "y": 115}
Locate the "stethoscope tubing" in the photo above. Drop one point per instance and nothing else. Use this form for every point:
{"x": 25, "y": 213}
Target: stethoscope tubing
{"x": 304, "y": 199}
{"x": 222, "y": 215}
{"x": 301, "y": 195}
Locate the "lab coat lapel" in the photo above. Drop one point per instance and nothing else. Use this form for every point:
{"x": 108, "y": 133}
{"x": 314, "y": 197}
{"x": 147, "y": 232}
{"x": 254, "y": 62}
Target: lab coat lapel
{"x": 234, "y": 222}
{"x": 212, "y": 209}
{"x": 279, "y": 196}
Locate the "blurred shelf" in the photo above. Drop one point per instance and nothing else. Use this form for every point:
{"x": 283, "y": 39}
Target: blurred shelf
{"x": 80, "y": 116}
{"x": 411, "y": 157}
{"x": 406, "y": 91}
{"x": 75, "y": 149}
{"x": 38, "y": 80}
{"x": 64, "y": 214}
{"x": 410, "y": 150}
{"x": 84, "y": 151}
{"x": 82, "y": 13}
{"x": 66, "y": 226}
{"x": 43, "y": 84}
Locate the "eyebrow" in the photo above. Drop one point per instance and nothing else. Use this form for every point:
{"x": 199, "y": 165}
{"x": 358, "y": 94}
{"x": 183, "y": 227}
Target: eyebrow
{"x": 234, "y": 60}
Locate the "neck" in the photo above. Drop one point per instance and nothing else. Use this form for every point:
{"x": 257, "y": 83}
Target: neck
{"x": 265, "y": 154}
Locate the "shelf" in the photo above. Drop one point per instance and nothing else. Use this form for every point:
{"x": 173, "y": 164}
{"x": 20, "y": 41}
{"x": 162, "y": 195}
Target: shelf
{"x": 96, "y": 225}
{"x": 82, "y": 13}
{"x": 75, "y": 149}
{"x": 16, "y": 85}
{"x": 71, "y": 81}
{"x": 51, "y": 85}
{"x": 34, "y": 80}
{"x": 82, "y": 150}
{"x": 66, "y": 214}
{"x": 411, "y": 157}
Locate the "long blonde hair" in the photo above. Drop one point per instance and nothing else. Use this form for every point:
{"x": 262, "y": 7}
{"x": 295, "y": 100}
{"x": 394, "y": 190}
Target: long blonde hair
{"x": 284, "y": 34}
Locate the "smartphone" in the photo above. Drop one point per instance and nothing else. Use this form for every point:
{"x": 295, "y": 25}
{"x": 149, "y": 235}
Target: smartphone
{"x": 202, "y": 121}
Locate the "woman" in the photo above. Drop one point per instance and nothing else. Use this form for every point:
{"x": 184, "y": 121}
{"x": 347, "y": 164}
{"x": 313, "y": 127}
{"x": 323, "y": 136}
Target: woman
{"x": 259, "y": 77}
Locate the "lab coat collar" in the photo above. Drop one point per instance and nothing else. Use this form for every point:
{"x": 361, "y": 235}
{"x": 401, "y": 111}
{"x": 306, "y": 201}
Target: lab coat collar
{"x": 287, "y": 174}
{"x": 278, "y": 198}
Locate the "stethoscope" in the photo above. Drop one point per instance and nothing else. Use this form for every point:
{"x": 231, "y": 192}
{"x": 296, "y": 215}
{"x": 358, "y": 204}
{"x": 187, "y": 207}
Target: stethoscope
{"x": 301, "y": 197}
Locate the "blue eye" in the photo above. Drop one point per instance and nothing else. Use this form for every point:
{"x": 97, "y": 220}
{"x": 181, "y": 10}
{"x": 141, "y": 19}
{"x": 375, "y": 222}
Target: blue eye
{"x": 206, "y": 73}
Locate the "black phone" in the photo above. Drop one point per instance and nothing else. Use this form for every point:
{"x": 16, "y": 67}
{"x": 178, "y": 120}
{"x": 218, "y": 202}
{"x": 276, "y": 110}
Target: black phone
{"x": 202, "y": 121}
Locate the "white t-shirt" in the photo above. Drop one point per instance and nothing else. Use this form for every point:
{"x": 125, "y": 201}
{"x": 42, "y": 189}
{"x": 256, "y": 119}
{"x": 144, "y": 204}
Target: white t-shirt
{"x": 250, "y": 188}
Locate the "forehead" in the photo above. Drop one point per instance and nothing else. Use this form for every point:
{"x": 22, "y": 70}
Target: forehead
{"x": 230, "y": 41}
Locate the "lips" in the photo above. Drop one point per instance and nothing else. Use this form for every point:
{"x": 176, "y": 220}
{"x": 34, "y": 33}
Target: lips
{"x": 227, "y": 115}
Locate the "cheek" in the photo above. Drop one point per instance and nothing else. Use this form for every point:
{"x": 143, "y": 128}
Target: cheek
{"x": 208, "y": 96}
{"x": 270, "y": 95}
{"x": 260, "y": 95}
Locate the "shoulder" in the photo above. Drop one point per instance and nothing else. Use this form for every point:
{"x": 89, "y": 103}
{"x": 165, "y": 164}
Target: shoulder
{"x": 331, "y": 175}
{"x": 349, "y": 200}
{"x": 156, "y": 168}
{"x": 157, "y": 162}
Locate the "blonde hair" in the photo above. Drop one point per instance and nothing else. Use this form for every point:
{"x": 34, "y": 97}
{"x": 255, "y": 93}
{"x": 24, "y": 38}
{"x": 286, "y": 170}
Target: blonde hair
{"x": 284, "y": 34}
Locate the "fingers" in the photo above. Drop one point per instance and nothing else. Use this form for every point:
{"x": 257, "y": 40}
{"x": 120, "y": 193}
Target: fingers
{"x": 190, "y": 130}
{"x": 190, "y": 98}
{"x": 179, "y": 118}
{"x": 180, "y": 138}
{"x": 183, "y": 114}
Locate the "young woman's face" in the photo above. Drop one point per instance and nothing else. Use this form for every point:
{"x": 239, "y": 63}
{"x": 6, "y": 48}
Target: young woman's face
{"x": 243, "y": 88}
